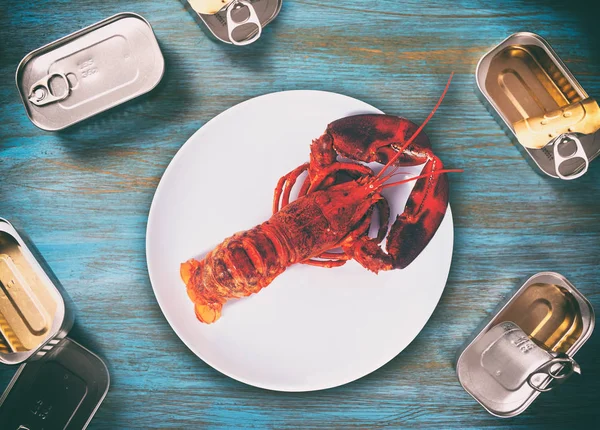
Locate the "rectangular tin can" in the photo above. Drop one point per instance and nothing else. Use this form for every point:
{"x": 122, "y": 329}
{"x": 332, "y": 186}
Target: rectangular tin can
{"x": 89, "y": 71}
{"x": 552, "y": 314}
{"x": 34, "y": 316}
{"x": 59, "y": 384}
{"x": 238, "y": 22}
{"x": 536, "y": 99}
{"x": 63, "y": 390}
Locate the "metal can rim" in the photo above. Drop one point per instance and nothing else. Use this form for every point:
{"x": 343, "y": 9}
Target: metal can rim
{"x": 69, "y": 36}
{"x": 485, "y": 326}
{"x": 63, "y": 320}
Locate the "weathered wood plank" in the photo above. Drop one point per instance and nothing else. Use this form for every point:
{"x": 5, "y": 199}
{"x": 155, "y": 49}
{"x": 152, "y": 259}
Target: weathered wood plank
{"x": 83, "y": 197}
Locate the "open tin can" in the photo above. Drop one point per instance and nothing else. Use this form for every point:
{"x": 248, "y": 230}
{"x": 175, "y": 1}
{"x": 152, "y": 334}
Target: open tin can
{"x": 527, "y": 346}
{"x": 89, "y": 71}
{"x": 547, "y": 112}
{"x": 59, "y": 384}
{"x": 237, "y": 22}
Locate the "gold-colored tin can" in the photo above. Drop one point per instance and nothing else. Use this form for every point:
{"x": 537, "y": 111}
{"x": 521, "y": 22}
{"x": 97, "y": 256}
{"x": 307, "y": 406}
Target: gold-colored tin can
{"x": 33, "y": 314}
{"x": 59, "y": 383}
{"x": 547, "y": 112}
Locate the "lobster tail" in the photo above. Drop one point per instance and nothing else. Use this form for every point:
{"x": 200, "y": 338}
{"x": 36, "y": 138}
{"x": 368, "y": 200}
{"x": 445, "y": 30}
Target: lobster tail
{"x": 240, "y": 266}
{"x": 208, "y": 313}
{"x": 192, "y": 272}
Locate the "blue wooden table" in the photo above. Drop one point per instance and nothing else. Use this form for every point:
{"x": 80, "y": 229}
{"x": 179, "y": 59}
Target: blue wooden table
{"x": 83, "y": 195}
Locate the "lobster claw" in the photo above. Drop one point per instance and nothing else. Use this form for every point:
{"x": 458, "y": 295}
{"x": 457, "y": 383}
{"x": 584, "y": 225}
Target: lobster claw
{"x": 395, "y": 142}
{"x": 424, "y": 211}
{"x": 378, "y": 138}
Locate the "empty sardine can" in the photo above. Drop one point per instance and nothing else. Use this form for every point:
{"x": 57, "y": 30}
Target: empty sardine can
{"x": 58, "y": 382}
{"x": 527, "y": 346}
{"x": 540, "y": 104}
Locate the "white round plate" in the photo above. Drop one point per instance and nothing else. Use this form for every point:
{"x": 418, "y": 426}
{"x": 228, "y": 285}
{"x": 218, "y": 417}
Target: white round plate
{"x": 312, "y": 328}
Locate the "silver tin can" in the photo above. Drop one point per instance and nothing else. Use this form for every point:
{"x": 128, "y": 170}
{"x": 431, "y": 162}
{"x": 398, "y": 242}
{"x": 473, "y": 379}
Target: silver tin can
{"x": 59, "y": 384}
{"x": 89, "y": 71}
{"x": 237, "y": 22}
{"x": 63, "y": 390}
{"x": 526, "y": 346}
{"x": 33, "y": 314}
{"x": 538, "y": 101}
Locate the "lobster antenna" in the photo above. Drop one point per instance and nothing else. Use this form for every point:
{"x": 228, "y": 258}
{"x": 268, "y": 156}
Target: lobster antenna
{"x": 416, "y": 133}
{"x": 425, "y": 175}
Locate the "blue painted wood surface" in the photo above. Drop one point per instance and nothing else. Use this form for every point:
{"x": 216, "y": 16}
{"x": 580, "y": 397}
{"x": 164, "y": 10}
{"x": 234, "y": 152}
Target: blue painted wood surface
{"x": 83, "y": 196}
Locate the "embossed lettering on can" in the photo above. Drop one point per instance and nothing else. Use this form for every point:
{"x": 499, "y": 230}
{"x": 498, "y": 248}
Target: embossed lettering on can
{"x": 33, "y": 313}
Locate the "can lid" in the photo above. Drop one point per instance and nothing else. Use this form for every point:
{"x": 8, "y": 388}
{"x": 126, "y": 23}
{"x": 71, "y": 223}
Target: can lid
{"x": 89, "y": 71}
{"x": 34, "y": 315}
{"x": 61, "y": 390}
{"x": 525, "y": 348}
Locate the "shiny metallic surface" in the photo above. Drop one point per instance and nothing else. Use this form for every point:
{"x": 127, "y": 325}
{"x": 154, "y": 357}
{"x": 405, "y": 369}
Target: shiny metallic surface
{"x": 544, "y": 318}
{"x": 265, "y": 12}
{"x": 534, "y": 96}
{"x": 558, "y": 369}
{"x": 33, "y": 315}
{"x": 510, "y": 356}
{"x": 537, "y": 130}
{"x": 579, "y": 152}
{"x": 63, "y": 390}
{"x": 89, "y": 71}
{"x": 233, "y": 25}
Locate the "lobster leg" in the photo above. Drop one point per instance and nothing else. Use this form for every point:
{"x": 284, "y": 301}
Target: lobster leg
{"x": 384, "y": 218}
{"x": 287, "y": 181}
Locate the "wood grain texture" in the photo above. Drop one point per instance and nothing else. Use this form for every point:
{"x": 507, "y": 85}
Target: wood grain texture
{"x": 83, "y": 196}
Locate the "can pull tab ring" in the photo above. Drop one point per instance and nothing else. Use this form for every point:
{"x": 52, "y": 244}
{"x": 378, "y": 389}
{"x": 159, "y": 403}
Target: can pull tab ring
{"x": 41, "y": 94}
{"x": 559, "y": 369}
{"x": 251, "y": 19}
{"x": 561, "y": 142}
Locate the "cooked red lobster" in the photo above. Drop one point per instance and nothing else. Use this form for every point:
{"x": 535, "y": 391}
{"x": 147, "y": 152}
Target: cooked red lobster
{"x": 334, "y": 209}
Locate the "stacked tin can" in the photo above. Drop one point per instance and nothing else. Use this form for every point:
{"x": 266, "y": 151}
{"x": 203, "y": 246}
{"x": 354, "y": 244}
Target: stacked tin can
{"x": 59, "y": 382}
